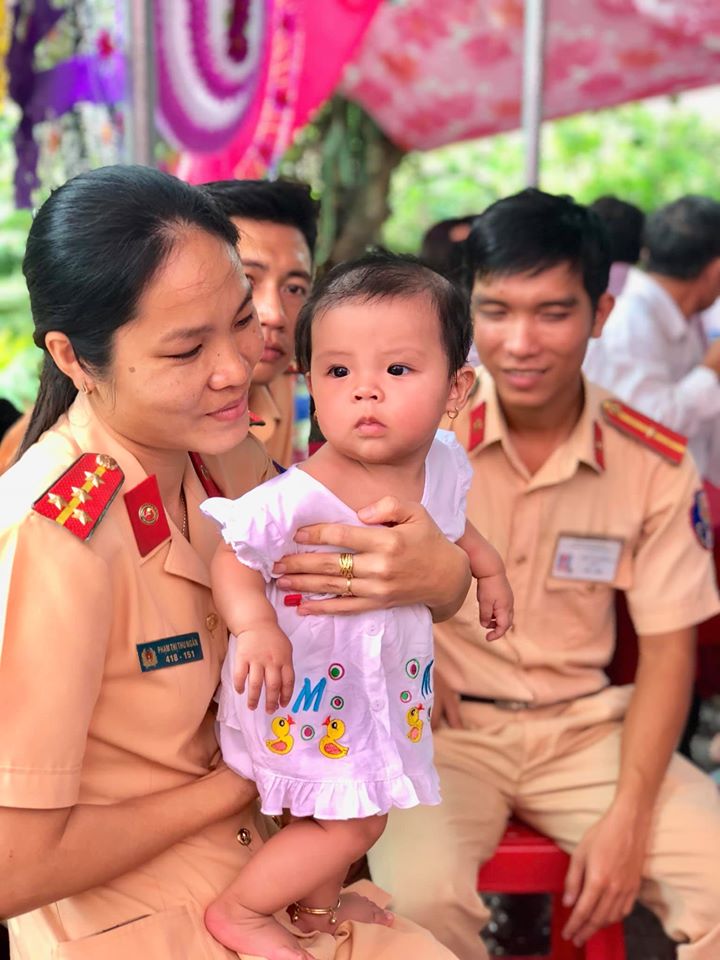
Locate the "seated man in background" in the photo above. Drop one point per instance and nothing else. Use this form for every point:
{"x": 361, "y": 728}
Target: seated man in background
{"x": 654, "y": 352}
{"x": 583, "y": 497}
{"x": 624, "y": 223}
{"x": 277, "y": 222}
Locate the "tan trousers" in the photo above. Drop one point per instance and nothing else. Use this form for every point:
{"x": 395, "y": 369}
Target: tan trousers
{"x": 180, "y": 933}
{"x": 556, "y": 768}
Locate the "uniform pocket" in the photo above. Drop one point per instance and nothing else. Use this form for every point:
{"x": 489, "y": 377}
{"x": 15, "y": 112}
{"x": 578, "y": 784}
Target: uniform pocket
{"x": 168, "y": 935}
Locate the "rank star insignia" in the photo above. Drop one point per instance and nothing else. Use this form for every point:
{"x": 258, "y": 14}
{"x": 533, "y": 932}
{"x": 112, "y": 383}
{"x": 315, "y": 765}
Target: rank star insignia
{"x": 57, "y": 501}
{"x": 82, "y": 516}
{"x": 93, "y": 479}
{"x": 80, "y": 494}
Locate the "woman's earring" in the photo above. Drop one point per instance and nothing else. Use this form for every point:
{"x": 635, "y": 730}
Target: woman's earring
{"x": 452, "y": 414}
{"x": 84, "y": 388}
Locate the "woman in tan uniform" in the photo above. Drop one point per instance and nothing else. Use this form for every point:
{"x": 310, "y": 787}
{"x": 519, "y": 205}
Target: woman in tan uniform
{"x": 118, "y": 821}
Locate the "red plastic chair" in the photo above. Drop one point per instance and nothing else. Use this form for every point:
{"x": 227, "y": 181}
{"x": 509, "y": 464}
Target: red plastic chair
{"x": 527, "y": 862}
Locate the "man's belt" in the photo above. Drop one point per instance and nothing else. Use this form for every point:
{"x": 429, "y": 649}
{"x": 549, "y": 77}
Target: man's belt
{"x": 516, "y": 705}
{"x": 501, "y": 704}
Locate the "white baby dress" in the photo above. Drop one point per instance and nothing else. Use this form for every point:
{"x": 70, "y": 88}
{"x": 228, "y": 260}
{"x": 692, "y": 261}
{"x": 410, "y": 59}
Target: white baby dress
{"x": 355, "y": 738}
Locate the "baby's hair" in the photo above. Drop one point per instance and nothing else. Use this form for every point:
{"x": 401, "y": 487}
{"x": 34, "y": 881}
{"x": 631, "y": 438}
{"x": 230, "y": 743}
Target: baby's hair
{"x": 381, "y": 275}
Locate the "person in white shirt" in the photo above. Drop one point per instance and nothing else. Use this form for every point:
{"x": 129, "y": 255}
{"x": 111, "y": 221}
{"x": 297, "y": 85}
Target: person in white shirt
{"x": 654, "y": 352}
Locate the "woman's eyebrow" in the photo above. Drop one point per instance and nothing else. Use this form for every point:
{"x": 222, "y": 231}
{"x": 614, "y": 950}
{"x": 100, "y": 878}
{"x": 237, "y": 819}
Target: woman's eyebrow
{"x": 186, "y": 333}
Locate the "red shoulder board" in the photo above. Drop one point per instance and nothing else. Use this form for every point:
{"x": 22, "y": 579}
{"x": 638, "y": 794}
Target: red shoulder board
{"x": 477, "y": 426}
{"x": 649, "y": 432}
{"x": 79, "y": 499}
{"x": 255, "y": 421}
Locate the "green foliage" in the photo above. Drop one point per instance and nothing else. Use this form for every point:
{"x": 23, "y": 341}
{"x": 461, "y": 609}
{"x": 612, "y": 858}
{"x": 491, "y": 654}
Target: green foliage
{"x": 648, "y": 155}
{"x": 18, "y": 356}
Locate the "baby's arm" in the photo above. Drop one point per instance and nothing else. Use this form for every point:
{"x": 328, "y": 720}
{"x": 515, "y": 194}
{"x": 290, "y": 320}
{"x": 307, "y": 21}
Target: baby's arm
{"x": 263, "y": 652}
{"x": 493, "y": 590}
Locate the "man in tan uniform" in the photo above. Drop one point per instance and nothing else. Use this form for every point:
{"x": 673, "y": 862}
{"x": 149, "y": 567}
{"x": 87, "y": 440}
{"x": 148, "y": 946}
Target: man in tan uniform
{"x": 583, "y": 497}
{"x": 277, "y": 222}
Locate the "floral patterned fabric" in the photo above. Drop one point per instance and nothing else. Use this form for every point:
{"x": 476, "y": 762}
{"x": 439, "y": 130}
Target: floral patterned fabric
{"x": 432, "y": 73}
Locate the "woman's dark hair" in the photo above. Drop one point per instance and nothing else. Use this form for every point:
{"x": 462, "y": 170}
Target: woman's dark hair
{"x": 93, "y": 249}
{"x": 287, "y": 202}
{"x": 533, "y": 231}
{"x": 380, "y": 275}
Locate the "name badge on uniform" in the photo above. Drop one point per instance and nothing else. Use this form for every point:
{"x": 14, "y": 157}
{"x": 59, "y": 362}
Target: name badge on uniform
{"x": 587, "y": 558}
{"x": 169, "y": 652}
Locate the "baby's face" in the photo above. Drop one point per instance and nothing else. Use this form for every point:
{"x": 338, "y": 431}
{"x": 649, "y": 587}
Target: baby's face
{"x": 379, "y": 378}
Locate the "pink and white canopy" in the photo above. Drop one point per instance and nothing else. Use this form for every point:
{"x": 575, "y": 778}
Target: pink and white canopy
{"x": 435, "y": 71}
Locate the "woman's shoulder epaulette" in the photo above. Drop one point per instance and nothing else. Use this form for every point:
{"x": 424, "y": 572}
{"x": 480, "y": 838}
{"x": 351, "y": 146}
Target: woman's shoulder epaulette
{"x": 81, "y": 496}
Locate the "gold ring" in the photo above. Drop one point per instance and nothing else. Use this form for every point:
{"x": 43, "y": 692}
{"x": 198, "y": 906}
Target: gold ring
{"x": 346, "y": 565}
{"x": 348, "y": 588}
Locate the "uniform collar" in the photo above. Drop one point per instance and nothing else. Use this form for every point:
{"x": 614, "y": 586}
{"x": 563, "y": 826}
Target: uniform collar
{"x": 263, "y": 404}
{"x": 584, "y": 445}
{"x": 665, "y": 311}
{"x": 182, "y": 558}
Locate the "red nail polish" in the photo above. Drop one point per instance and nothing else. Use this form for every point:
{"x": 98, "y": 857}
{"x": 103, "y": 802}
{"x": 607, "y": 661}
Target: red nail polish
{"x": 293, "y": 600}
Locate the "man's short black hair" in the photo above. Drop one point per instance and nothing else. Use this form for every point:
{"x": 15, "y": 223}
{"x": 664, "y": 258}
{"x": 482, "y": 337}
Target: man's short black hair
{"x": 624, "y": 223}
{"x": 287, "y": 202}
{"x": 533, "y": 231}
{"x": 380, "y": 275}
{"x": 682, "y": 238}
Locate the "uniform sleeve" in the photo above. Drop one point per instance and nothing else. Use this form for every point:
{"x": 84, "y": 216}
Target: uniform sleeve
{"x": 673, "y": 572}
{"x": 252, "y": 528}
{"x": 55, "y": 595}
{"x": 448, "y": 484}
{"x": 634, "y": 364}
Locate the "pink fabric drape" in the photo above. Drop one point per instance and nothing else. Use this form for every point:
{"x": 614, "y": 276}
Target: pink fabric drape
{"x": 432, "y": 73}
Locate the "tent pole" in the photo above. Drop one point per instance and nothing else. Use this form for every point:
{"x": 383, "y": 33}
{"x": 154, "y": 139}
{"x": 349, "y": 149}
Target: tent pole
{"x": 533, "y": 78}
{"x": 140, "y": 60}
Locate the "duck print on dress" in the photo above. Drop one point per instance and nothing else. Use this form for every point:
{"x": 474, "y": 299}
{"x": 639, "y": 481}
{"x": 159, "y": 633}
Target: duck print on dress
{"x": 283, "y": 741}
{"x": 415, "y": 724}
{"x": 330, "y": 745}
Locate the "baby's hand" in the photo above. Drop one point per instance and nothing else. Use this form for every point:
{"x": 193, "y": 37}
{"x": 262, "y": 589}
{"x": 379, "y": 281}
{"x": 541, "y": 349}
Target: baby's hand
{"x": 264, "y": 654}
{"x": 496, "y": 604}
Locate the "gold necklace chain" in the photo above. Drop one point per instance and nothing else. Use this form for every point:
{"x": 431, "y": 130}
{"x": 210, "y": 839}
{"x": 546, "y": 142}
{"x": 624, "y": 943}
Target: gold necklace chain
{"x": 184, "y": 528}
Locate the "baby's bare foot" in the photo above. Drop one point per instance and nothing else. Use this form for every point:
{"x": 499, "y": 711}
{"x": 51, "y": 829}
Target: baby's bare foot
{"x": 244, "y": 931}
{"x": 352, "y": 907}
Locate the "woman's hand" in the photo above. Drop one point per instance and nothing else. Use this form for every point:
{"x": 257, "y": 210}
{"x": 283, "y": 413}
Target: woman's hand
{"x": 446, "y": 705}
{"x": 408, "y": 560}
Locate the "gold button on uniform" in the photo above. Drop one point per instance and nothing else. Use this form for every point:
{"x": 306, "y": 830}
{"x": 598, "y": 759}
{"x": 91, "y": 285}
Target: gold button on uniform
{"x": 211, "y": 621}
{"x": 244, "y": 836}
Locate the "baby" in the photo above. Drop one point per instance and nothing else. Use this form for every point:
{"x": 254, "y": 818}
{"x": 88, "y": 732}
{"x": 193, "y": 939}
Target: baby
{"x": 345, "y": 734}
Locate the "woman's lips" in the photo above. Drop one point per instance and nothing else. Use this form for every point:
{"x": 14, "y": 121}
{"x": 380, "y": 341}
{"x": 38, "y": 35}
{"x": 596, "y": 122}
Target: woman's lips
{"x": 271, "y": 354}
{"x": 231, "y": 411}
